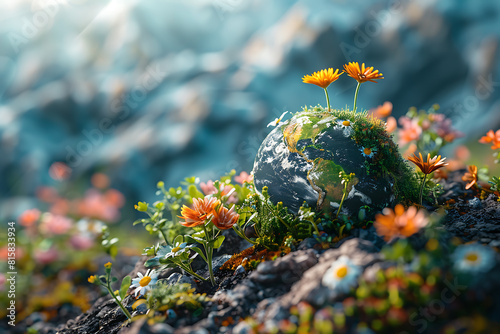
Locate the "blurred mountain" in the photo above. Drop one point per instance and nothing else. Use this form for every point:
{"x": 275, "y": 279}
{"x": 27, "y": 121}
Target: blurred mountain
{"x": 161, "y": 90}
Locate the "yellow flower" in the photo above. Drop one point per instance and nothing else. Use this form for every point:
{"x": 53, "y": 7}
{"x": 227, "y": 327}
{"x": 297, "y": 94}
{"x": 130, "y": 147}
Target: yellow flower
{"x": 141, "y": 206}
{"x": 322, "y": 78}
{"x": 93, "y": 279}
{"x": 108, "y": 265}
{"x": 362, "y": 74}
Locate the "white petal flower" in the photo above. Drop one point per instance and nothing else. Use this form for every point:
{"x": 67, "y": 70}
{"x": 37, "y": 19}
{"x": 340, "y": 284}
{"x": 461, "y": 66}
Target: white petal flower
{"x": 144, "y": 283}
{"x": 277, "y": 120}
{"x": 473, "y": 258}
{"x": 342, "y": 275}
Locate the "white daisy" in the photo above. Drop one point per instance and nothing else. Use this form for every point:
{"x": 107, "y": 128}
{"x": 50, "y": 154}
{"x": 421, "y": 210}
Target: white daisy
{"x": 277, "y": 120}
{"x": 473, "y": 258}
{"x": 368, "y": 152}
{"x": 342, "y": 275}
{"x": 144, "y": 283}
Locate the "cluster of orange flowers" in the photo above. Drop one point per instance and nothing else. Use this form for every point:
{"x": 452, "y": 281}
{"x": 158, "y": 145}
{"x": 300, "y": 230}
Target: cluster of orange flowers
{"x": 493, "y": 138}
{"x": 325, "y": 77}
{"x": 209, "y": 209}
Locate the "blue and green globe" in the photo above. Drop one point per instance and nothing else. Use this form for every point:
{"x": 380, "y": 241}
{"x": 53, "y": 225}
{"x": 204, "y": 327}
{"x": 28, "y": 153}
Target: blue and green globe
{"x": 302, "y": 159}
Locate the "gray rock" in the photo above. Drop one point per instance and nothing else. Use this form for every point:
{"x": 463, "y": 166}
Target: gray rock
{"x": 179, "y": 278}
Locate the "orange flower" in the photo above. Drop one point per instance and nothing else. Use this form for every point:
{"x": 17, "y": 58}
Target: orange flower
{"x": 362, "y": 75}
{"x": 470, "y": 176}
{"x": 391, "y": 124}
{"x": 201, "y": 211}
{"x": 492, "y": 137}
{"x": 225, "y": 219}
{"x": 322, "y": 78}
{"x": 29, "y": 217}
{"x": 399, "y": 223}
{"x": 430, "y": 165}
{"x": 382, "y": 111}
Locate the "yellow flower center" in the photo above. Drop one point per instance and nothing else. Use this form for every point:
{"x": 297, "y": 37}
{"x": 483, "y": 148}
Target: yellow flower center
{"x": 144, "y": 281}
{"x": 341, "y": 272}
{"x": 176, "y": 249}
{"x": 472, "y": 257}
{"x": 367, "y": 151}
{"x": 346, "y": 123}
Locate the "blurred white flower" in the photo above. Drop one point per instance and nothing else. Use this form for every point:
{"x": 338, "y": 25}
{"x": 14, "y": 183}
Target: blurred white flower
{"x": 342, "y": 275}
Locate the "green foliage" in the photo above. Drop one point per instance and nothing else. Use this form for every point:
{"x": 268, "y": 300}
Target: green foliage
{"x": 495, "y": 183}
{"x": 270, "y": 222}
{"x": 175, "y": 296}
{"x": 177, "y": 255}
{"x": 162, "y": 214}
{"x": 109, "y": 244}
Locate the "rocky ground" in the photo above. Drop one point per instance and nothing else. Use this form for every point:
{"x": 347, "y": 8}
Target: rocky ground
{"x": 268, "y": 292}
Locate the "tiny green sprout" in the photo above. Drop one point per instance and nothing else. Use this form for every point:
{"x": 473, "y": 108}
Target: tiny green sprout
{"x": 105, "y": 282}
{"x": 345, "y": 179}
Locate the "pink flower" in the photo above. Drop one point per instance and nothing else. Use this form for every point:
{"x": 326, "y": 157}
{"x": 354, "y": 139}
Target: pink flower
{"x": 55, "y": 224}
{"x": 96, "y": 205}
{"x": 411, "y": 130}
{"x": 3, "y": 279}
{"x": 81, "y": 242}
{"x": 4, "y": 253}
{"x": 46, "y": 256}
{"x": 29, "y": 217}
{"x": 243, "y": 177}
{"x": 59, "y": 171}
{"x": 208, "y": 188}
{"x": 445, "y": 131}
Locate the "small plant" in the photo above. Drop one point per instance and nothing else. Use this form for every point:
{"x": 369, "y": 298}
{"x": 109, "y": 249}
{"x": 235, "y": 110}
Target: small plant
{"x": 213, "y": 217}
{"x": 106, "y": 280}
{"x": 361, "y": 75}
{"x": 163, "y": 214}
{"x": 346, "y": 178}
{"x": 323, "y": 79}
{"x": 427, "y": 167}
{"x": 176, "y": 296}
{"x": 177, "y": 255}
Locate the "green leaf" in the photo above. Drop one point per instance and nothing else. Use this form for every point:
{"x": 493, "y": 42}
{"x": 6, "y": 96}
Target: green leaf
{"x": 125, "y": 286}
{"x": 153, "y": 262}
{"x": 199, "y": 251}
{"x": 113, "y": 251}
{"x": 218, "y": 242}
{"x": 194, "y": 192}
{"x": 178, "y": 239}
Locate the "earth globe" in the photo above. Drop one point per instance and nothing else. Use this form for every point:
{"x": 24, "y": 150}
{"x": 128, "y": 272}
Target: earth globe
{"x": 305, "y": 159}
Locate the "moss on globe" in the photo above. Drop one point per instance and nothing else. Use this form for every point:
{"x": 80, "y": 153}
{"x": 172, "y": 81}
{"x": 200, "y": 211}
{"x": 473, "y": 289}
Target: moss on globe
{"x": 302, "y": 159}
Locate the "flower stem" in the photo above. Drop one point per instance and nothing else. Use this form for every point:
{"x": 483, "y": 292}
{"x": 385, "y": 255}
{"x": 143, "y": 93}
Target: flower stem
{"x": 422, "y": 188}
{"x": 124, "y": 310}
{"x": 342, "y": 200}
{"x": 190, "y": 271}
{"x": 327, "y": 99}
{"x": 356, "y": 96}
{"x": 163, "y": 235}
{"x": 209, "y": 251}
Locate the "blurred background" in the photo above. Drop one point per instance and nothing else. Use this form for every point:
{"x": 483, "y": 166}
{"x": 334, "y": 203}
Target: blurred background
{"x": 142, "y": 91}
